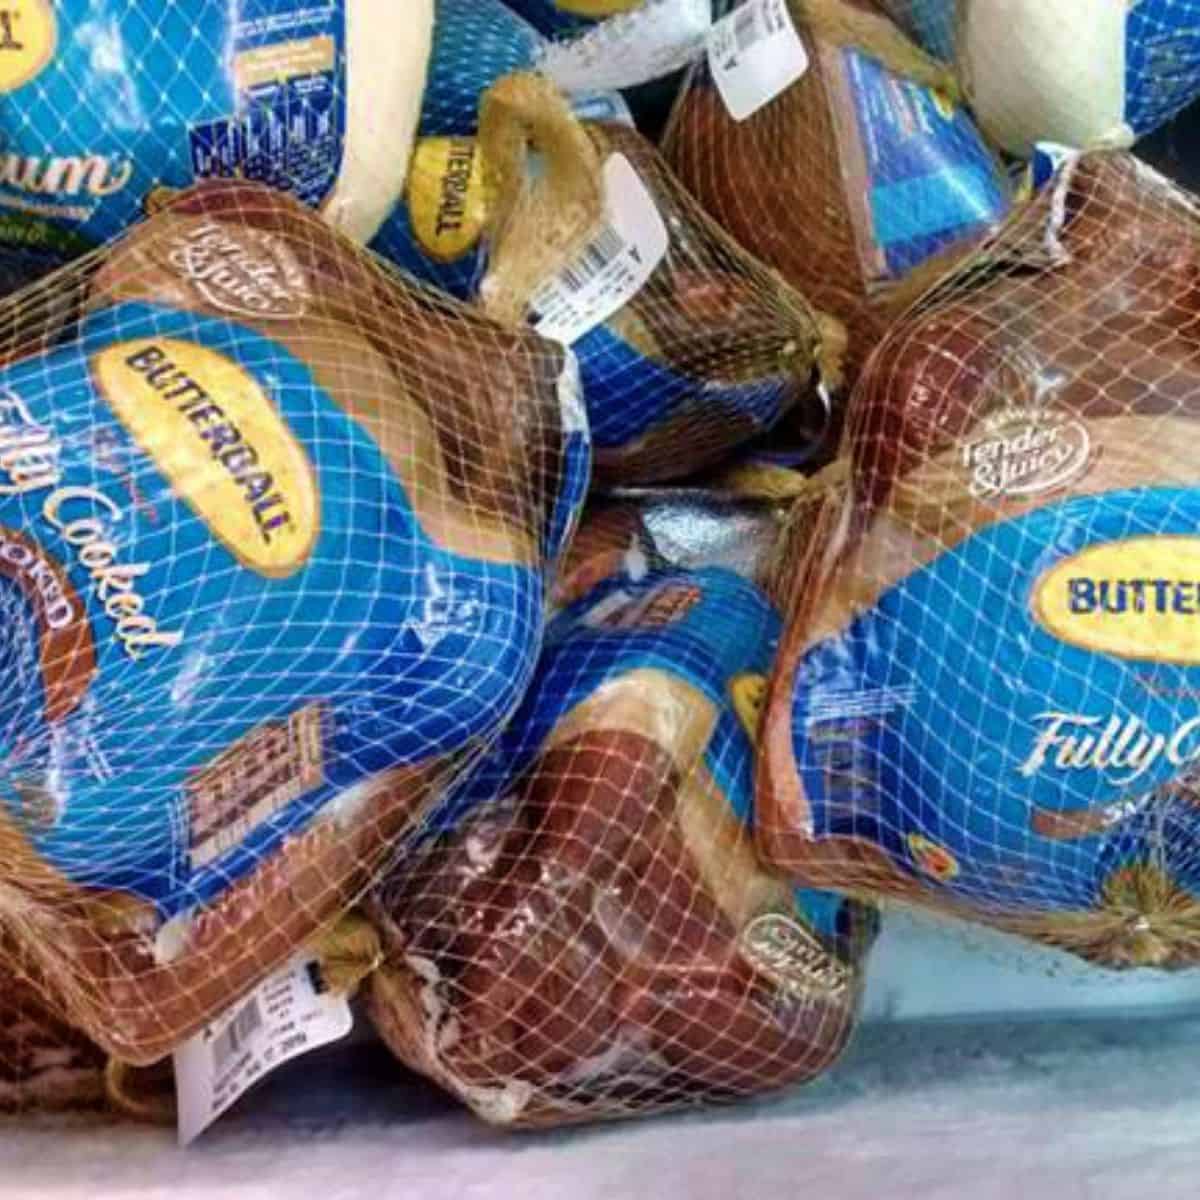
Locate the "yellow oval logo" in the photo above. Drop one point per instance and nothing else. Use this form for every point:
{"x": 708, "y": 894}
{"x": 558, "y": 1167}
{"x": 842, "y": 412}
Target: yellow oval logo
{"x": 220, "y": 442}
{"x": 1137, "y": 599}
{"x": 28, "y": 39}
{"x": 446, "y": 202}
{"x": 748, "y": 693}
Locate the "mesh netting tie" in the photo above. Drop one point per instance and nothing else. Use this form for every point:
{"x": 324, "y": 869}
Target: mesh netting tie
{"x": 537, "y": 223}
{"x": 1145, "y": 919}
{"x": 831, "y": 354}
{"x": 348, "y": 953}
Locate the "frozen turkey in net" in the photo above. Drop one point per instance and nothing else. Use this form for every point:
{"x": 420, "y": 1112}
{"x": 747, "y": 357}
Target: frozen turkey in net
{"x": 585, "y": 931}
{"x": 855, "y": 178}
{"x": 104, "y": 110}
{"x": 986, "y": 698}
{"x": 708, "y": 352}
{"x": 275, "y": 533}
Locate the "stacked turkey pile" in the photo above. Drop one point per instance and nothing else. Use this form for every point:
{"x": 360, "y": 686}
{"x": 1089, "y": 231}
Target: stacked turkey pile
{"x": 877, "y": 379}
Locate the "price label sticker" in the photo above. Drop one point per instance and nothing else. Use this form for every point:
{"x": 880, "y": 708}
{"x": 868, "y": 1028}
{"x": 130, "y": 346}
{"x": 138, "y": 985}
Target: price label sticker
{"x": 286, "y": 1016}
{"x": 754, "y": 55}
{"x": 614, "y": 267}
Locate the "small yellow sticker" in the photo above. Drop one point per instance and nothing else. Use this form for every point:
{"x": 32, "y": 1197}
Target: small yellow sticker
{"x": 931, "y": 859}
{"x": 28, "y": 39}
{"x": 220, "y": 442}
{"x": 598, "y": 8}
{"x": 749, "y": 694}
{"x": 446, "y": 201}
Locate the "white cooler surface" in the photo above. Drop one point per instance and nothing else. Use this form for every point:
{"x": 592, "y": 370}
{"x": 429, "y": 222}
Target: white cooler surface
{"x": 984, "y": 1072}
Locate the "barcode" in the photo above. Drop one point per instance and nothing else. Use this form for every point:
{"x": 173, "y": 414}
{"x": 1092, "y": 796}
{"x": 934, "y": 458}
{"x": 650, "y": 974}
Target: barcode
{"x": 231, "y": 1040}
{"x": 608, "y": 247}
{"x": 746, "y": 29}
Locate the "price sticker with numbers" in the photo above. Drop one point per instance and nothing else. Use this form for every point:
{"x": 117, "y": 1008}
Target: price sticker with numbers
{"x": 754, "y": 55}
{"x": 613, "y": 268}
{"x": 288, "y": 1015}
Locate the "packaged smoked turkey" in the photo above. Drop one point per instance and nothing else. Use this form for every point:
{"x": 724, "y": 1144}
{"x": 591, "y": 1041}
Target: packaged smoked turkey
{"x": 275, "y": 541}
{"x": 106, "y": 109}
{"x": 1080, "y": 73}
{"x": 586, "y": 932}
{"x": 985, "y": 702}
{"x": 687, "y": 346}
{"x": 834, "y": 150}
{"x": 48, "y": 1066}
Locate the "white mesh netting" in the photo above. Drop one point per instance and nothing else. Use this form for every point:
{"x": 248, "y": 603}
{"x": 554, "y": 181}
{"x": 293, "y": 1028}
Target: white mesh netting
{"x": 279, "y": 530}
{"x": 985, "y": 703}
{"x": 592, "y": 936}
{"x": 275, "y": 531}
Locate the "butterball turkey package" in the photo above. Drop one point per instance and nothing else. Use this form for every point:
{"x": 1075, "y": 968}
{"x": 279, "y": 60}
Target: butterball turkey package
{"x": 1077, "y": 72}
{"x": 687, "y": 346}
{"x": 986, "y": 701}
{"x": 588, "y": 934}
{"x": 274, "y": 541}
{"x": 106, "y": 105}
{"x": 834, "y": 152}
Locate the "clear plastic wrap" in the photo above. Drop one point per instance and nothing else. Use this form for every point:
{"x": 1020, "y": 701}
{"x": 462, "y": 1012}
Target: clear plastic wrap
{"x": 275, "y": 534}
{"x": 586, "y": 932}
{"x": 985, "y": 701}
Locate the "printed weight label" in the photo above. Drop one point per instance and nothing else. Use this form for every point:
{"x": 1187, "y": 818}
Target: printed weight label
{"x": 288, "y": 1015}
{"x": 613, "y": 269}
{"x": 754, "y": 55}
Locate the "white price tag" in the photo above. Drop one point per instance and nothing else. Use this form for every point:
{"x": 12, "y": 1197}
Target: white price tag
{"x": 754, "y": 55}
{"x": 613, "y": 269}
{"x": 285, "y": 1017}
{"x": 631, "y": 48}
